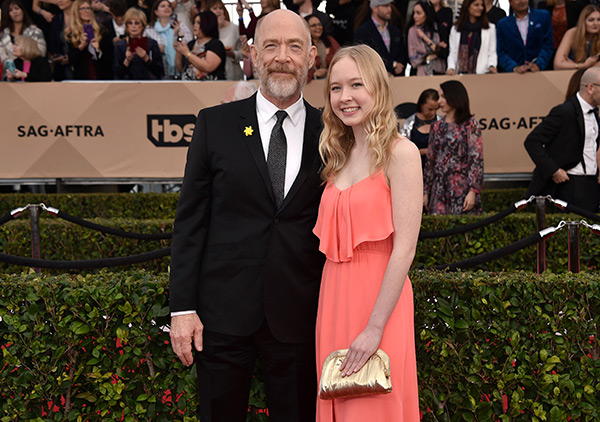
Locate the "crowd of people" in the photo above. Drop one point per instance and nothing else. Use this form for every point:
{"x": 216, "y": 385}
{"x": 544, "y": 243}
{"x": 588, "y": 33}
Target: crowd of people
{"x": 197, "y": 39}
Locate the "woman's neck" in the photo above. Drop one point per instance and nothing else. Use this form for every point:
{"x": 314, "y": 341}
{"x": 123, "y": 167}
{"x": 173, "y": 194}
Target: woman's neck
{"x": 472, "y": 19}
{"x": 17, "y": 28}
{"x": 437, "y": 7}
{"x": 164, "y": 21}
{"x": 449, "y": 117}
{"x": 203, "y": 40}
{"x": 223, "y": 24}
{"x": 85, "y": 22}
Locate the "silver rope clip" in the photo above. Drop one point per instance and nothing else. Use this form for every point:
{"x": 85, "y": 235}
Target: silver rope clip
{"x": 17, "y": 211}
{"x": 51, "y": 210}
{"x": 558, "y": 202}
{"x": 550, "y": 231}
{"x": 520, "y": 204}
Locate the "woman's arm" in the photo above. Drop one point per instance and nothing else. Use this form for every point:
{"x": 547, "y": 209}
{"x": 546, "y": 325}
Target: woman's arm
{"x": 561, "y": 58}
{"x": 37, "y": 8}
{"x": 474, "y": 157}
{"x": 492, "y": 56}
{"x": 406, "y": 186}
{"x": 453, "y": 51}
{"x": 416, "y": 48}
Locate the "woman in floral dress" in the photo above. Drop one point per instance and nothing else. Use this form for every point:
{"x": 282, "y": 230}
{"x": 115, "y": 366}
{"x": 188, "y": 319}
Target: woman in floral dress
{"x": 454, "y": 168}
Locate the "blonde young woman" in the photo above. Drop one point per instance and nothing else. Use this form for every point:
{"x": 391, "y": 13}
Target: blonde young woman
{"x": 90, "y": 51}
{"x": 580, "y": 46}
{"x": 368, "y": 224}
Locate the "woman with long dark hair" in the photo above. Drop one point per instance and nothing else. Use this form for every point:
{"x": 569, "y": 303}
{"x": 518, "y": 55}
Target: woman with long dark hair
{"x": 326, "y": 45}
{"x": 424, "y": 42}
{"x": 454, "y": 168}
{"x": 202, "y": 59}
{"x": 14, "y": 22}
{"x": 472, "y": 41}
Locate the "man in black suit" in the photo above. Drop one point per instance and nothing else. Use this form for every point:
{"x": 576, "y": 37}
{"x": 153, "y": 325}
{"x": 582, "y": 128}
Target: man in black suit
{"x": 564, "y": 148}
{"x": 245, "y": 269}
{"x": 378, "y": 33}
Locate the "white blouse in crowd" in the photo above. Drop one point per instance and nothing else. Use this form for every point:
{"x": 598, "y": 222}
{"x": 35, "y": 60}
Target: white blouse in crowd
{"x": 487, "y": 52}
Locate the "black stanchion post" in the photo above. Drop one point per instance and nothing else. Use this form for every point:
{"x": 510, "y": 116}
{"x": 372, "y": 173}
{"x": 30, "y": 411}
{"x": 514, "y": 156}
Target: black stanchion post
{"x": 573, "y": 238}
{"x": 540, "y": 211}
{"x": 34, "y": 220}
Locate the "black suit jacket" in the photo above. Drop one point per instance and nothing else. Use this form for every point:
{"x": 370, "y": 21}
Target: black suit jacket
{"x": 236, "y": 258}
{"x": 556, "y": 143}
{"x": 368, "y": 34}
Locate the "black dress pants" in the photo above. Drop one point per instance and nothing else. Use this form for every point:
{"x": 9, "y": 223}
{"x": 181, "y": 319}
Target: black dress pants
{"x": 581, "y": 191}
{"x": 225, "y": 367}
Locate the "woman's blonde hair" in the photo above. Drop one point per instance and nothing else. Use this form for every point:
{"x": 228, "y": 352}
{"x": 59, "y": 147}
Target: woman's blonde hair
{"x": 137, "y": 14}
{"x": 74, "y": 32}
{"x": 580, "y": 40}
{"x": 337, "y": 139}
{"x": 29, "y": 48}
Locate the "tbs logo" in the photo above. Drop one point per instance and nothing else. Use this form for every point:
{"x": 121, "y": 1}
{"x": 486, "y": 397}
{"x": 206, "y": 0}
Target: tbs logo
{"x": 170, "y": 130}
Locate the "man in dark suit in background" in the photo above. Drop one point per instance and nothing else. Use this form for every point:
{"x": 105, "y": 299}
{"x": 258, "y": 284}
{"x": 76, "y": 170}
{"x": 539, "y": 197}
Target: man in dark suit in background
{"x": 524, "y": 39}
{"x": 564, "y": 148}
{"x": 378, "y": 33}
{"x": 245, "y": 269}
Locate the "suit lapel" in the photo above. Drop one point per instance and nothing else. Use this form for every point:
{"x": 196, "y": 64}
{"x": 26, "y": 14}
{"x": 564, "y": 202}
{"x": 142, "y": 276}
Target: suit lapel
{"x": 579, "y": 116}
{"x": 309, "y": 152}
{"x": 249, "y": 127}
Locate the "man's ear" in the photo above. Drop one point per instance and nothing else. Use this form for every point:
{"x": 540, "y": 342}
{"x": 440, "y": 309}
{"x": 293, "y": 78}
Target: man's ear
{"x": 312, "y": 55}
{"x": 254, "y": 54}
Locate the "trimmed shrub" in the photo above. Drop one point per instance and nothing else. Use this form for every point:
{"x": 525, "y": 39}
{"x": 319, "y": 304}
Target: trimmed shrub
{"x": 61, "y": 240}
{"x": 148, "y": 206}
{"x": 490, "y": 346}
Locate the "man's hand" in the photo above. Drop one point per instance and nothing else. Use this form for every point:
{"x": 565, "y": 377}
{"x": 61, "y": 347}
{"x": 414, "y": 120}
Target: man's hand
{"x": 560, "y": 176}
{"x": 186, "y": 329}
{"x": 398, "y": 68}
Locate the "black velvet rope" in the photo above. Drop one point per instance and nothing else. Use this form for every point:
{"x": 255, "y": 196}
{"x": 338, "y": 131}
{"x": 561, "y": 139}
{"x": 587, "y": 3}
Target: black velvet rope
{"x": 468, "y": 227}
{"x": 112, "y": 230}
{"x": 85, "y": 264}
{"x": 5, "y": 218}
{"x": 493, "y": 255}
{"x": 584, "y": 213}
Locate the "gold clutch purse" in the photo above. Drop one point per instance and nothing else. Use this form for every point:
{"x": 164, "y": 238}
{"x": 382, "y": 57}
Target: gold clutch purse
{"x": 373, "y": 377}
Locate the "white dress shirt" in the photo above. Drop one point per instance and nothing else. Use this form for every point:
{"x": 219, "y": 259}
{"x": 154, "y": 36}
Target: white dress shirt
{"x": 589, "y": 147}
{"x": 293, "y": 126}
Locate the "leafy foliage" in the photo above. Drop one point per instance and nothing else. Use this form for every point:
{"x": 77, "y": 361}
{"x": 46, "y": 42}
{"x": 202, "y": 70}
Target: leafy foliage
{"x": 490, "y": 346}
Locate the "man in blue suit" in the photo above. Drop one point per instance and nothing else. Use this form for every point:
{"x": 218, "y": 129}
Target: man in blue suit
{"x": 378, "y": 33}
{"x": 524, "y": 39}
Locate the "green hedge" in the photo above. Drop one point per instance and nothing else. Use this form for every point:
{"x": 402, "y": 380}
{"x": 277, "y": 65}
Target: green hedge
{"x": 162, "y": 205}
{"x": 509, "y": 347}
{"x": 61, "y": 240}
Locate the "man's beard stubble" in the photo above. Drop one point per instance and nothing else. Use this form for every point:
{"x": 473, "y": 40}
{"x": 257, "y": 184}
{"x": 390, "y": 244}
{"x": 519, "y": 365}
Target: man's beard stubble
{"x": 282, "y": 88}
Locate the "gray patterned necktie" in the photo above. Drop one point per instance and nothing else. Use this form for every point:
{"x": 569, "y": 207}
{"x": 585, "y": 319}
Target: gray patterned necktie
{"x": 276, "y": 158}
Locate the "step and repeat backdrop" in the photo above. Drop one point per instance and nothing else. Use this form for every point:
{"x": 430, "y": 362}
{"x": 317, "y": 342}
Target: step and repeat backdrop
{"x": 142, "y": 130}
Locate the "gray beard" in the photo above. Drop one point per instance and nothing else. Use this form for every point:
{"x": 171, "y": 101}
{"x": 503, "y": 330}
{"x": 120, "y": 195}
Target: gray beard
{"x": 281, "y": 88}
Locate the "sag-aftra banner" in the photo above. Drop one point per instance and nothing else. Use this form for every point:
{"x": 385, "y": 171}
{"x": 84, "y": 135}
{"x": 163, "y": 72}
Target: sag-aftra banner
{"x": 142, "y": 130}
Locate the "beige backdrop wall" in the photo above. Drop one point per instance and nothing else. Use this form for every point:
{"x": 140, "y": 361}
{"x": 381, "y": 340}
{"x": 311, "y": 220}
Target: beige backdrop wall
{"x": 140, "y": 130}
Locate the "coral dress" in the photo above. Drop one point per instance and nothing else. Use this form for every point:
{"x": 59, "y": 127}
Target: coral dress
{"x": 356, "y": 229}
